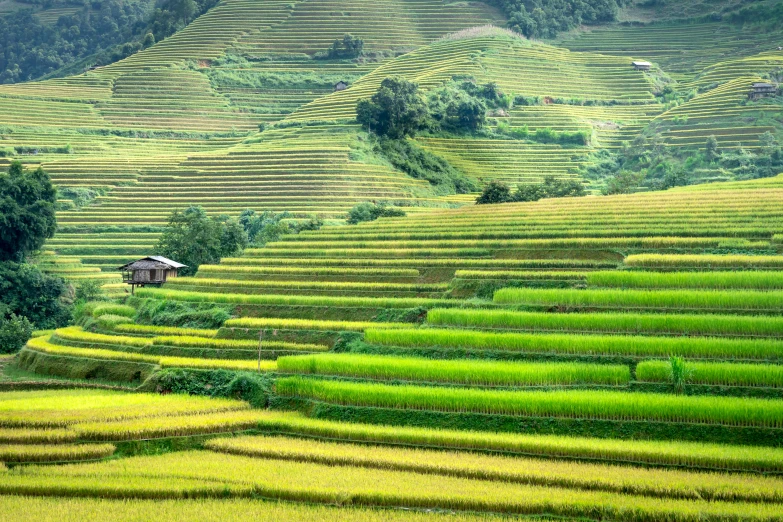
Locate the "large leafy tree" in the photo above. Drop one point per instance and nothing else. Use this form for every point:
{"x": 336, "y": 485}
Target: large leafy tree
{"x": 27, "y": 206}
{"x": 193, "y": 238}
{"x": 396, "y": 110}
{"x": 28, "y": 298}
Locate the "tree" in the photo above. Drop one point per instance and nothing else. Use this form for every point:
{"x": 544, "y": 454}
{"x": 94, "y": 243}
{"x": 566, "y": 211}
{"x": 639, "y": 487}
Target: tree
{"x": 347, "y": 48}
{"x": 371, "y": 212}
{"x": 494, "y": 192}
{"x": 27, "y": 207}
{"x": 396, "y": 110}
{"x": 26, "y": 291}
{"x": 193, "y": 238}
{"x": 711, "y": 152}
{"x": 624, "y": 182}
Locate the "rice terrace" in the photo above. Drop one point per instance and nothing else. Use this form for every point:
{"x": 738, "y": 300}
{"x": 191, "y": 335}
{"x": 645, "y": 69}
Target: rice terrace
{"x": 391, "y": 260}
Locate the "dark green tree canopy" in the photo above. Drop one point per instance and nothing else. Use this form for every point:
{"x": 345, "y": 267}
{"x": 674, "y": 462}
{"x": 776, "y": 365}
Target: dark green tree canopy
{"x": 495, "y": 192}
{"x": 26, "y": 291}
{"x": 27, "y": 207}
{"x": 397, "y": 110}
{"x": 193, "y": 238}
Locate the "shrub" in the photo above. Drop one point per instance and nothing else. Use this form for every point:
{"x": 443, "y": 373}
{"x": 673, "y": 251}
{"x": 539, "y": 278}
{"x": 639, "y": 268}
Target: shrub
{"x": 14, "y": 333}
{"x": 371, "y": 211}
{"x": 396, "y": 110}
{"x": 494, "y": 192}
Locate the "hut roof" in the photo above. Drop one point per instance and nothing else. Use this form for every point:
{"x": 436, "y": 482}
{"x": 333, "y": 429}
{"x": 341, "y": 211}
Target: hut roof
{"x": 152, "y": 263}
{"x": 642, "y": 64}
{"x": 763, "y": 85}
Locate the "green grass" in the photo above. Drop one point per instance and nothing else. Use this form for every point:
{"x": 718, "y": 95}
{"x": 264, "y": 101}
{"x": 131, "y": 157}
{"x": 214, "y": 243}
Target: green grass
{"x": 607, "y": 405}
{"x": 481, "y": 373}
{"x": 625, "y": 323}
{"x": 692, "y": 300}
{"x": 715, "y": 373}
{"x": 569, "y": 344}
{"x": 694, "y": 280}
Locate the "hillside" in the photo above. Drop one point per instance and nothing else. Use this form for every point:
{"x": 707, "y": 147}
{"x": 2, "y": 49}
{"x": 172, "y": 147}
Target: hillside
{"x": 528, "y": 343}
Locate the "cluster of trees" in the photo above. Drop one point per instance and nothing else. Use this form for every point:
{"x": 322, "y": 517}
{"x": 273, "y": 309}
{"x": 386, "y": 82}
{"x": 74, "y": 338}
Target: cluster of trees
{"x": 29, "y": 299}
{"x": 193, "y": 238}
{"x": 546, "y": 18}
{"x": 106, "y": 30}
{"x": 398, "y": 109}
{"x": 658, "y": 167}
{"x": 499, "y": 192}
{"x": 348, "y": 48}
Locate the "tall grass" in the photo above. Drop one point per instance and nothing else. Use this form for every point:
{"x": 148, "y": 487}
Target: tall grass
{"x": 164, "y": 330}
{"x": 234, "y": 344}
{"x": 717, "y": 373}
{"x": 661, "y": 453}
{"x": 643, "y": 299}
{"x": 639, "y": 481}
{"x": 114, "y": 309}
{"x": 695, "y": 280}
{"x": 675, "y": 324}
{"x": 609, "y": 405}
{"x": 510, "y": 274}
{"x": 632, "y": 346}
{"x": 489, "y": 373}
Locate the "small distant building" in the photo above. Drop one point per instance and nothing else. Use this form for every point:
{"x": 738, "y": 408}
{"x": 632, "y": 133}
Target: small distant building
{"x": 762, "y": 90}
{"x": 340, "y": 86}
{"x": 642, "y": 66}
{"x": 92, "y": 67}
{"x": 152, "y": 270}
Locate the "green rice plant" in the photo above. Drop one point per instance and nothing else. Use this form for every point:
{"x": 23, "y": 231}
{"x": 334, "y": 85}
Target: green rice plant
{"x": 625, "y": 323}
{"x": 703, "y": 261}
{"x": 59, "y": 408}
{"x": 643, "y": 299}
{"x": 679, "y": 374}
{"x": 18, "y": 453}
{"x": 697, "y": 280}
{"x": 234, "y": 344}
{"x": 33, "y": 436}
{"x": 717, "y": 373}
{"x": 308, "y": 324}
{"x": 110, "y": 321}
{"x": 76, "y": 509}
{"x": 609, "y": 405}
{"x": 631, "y": 346}
{"x": 164, "y": 330}
{"x": 291, "y": 300}
{"x": 621, "y": 479}
{"x": 188, "y": 474}
{"x": 467, "y": 372}
{"x": 169, "y": 426}
{"x": 114, "y": 309}
{"x": 304, "y": 285}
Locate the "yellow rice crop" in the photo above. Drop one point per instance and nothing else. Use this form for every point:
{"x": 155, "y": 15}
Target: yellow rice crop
{"x": 17, "y": 453}
{"x": 642, "y": 481}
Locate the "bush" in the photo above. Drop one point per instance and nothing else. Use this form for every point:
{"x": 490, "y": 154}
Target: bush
{"x": 90, "y": 290}
{"x": 370, "y": 212}
{"x": 551, "y": 188}
{"x": 348, "y": 48}
{"x": 495, "y": 192}
{"x": 25, "y": 290}
{"x": 14, "y": 333}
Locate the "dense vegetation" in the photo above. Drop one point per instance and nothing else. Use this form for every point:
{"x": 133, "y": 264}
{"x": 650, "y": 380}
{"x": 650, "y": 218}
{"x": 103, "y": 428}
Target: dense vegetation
{"x": 546, "y": 18}
{"x": 98, "y": 33}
